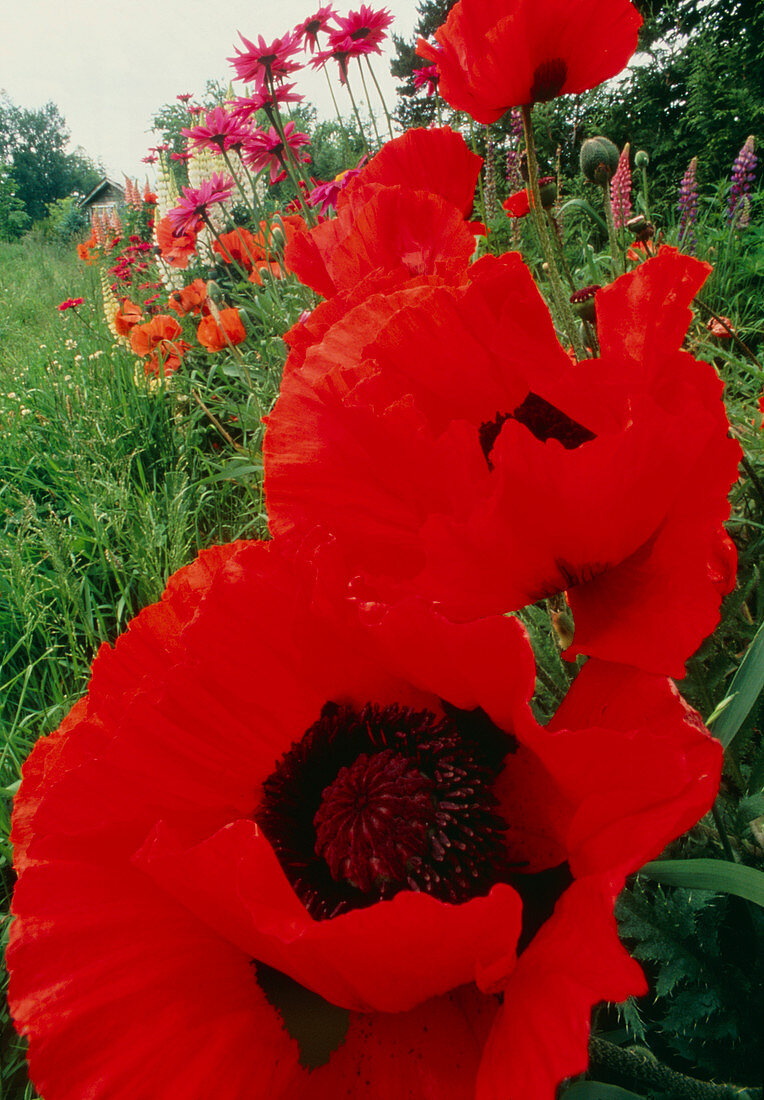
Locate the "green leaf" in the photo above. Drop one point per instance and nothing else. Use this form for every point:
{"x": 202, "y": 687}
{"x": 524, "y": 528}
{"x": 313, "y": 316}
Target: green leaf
{"x": 717, "y": 875}
{"x": 595, "y": 1090}
{"x": 745, "y": 689}
{"x": 581, "y": 204}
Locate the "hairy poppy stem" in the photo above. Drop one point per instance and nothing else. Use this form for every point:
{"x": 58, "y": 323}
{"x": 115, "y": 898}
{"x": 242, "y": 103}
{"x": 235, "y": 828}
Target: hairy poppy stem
{"x": 641, "y": 1067}
{"x": 561, "y": 301}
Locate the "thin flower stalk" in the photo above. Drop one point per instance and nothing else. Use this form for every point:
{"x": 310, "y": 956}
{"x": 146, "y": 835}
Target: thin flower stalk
{"x": 368, "y": 102}
{"x": 379, "y": 93}
{"x": 559, "y": 296}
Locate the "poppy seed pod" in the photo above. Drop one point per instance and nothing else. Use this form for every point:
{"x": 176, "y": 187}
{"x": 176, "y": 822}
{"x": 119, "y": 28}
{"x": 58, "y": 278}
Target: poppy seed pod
{"x": 599, "y": 159}
{"x": 583, "y": 302}
{"x": 548, "y": 191}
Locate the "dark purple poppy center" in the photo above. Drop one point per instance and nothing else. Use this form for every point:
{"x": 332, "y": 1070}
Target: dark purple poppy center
{"x": 381, "y": 799}
{"x": 549, "y": 80}
{"x": 541, "y": 418}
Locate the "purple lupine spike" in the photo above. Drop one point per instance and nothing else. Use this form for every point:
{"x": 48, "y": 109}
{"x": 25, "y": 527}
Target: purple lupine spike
{"x": 688, "y": 206}
{"x": 743, "y": 174}
{"x": 516, "y": 123}
{"x": 620, "y": 189}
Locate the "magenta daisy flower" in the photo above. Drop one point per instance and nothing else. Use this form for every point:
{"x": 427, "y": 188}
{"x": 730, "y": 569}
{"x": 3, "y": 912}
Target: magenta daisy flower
{"x": 427, "y": 77}
{"x": 364, "y": 26}
{"x": 262, "y": 61}
{"x": 267, "y": 150}
{"x": 221, "y": 130}
{"x": 244, "y": 107}
{"x": 341, "y": 52}
{"x": 196, "y": 201}
{"x": 310, "y": 29}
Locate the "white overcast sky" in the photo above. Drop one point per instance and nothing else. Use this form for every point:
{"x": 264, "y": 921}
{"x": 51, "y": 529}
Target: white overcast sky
{"x": 110, "y": 65}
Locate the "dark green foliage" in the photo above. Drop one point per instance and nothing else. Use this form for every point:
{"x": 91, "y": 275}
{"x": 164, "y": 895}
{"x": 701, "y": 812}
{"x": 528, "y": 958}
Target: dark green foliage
{"x": 414, "y": 108}
{"x": 14, "y": 219}
{"x": 702, "y": 955}
{"x": 34, "y": 144}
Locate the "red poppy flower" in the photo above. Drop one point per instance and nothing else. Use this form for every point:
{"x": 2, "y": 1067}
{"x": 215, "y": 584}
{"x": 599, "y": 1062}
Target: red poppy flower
{"x": 240, "y": 247}
{"x": 518, "y": 205}
{"x": 607, "y": 479}
{"x": 175, "y": 251}
{"x": 492, "y": 55}
{"x": 436, "y": 160}
{"x": 127, "y": 316}
{"x": 396, "y": 230}
{"x": 189, "y": 299}
{"x": 217, "y": 333}
{"x": 402, "y": 213}
{"x": 197, "y": 914}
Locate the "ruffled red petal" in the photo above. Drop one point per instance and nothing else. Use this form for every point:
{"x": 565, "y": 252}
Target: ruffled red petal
{"x": 396, "y": 230}
{"x": 490, "y": 58}
{"x": 421, "y": 947}
{"x": 123, "y": 995}
{"x": 542, "y": 1030}
{"x": 369, "y": 440}
{"x": 436, "y": 160}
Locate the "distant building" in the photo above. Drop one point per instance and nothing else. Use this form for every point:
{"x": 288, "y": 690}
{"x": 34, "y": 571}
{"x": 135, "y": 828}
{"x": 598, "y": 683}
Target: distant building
{"x": 106, "y": 198}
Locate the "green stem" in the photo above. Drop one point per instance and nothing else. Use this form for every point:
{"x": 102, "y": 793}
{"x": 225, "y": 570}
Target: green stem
{"x": 356, "y": 113}
{"x": 642, "y": 1069}
{"x": 381, "y": 97}
{"x": 345, "y": 138}
{"x": 368, "y": 104}
{"x": 481, "y": 192}
{"x": 644, "y": 192}
{"x": 237, "y": 181}
{"x": 561, "y": 299}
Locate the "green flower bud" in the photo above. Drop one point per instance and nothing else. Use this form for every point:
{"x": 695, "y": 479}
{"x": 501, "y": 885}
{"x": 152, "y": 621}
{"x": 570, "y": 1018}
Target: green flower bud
{"x": 548, "y": 191}
{"x": 642, "y": 159}
{"x": 599, "y": 159}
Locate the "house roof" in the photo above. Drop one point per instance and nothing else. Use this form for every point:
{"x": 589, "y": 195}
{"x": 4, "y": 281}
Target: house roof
{"x": 105, "y": 182}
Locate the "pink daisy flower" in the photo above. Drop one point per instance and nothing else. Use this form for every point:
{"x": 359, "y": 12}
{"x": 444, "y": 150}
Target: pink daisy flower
{"x": 262, "y": 61}
{"x": 221, "y": 130}
{"x": 309, "y": 30}
{"x": 427, "y": 77}
{"x": 196, "y": 201}
{"x": 267, "y": 150}
{"x": 244, "y": 107}
{"x": 365, "y": 25}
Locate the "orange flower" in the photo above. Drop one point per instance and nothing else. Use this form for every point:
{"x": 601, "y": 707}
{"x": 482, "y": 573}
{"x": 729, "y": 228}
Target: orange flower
{"x": 83, "y": 250}
{"x": 128, "y": 315}
{"x": 175, "y": 251}
{"x": 144, "y": 338}
{"x": 240, "y": 247}
{"x": 216, "y": 334}
{"x": 189, "y": 299}
{"x": 276, "y": 270}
